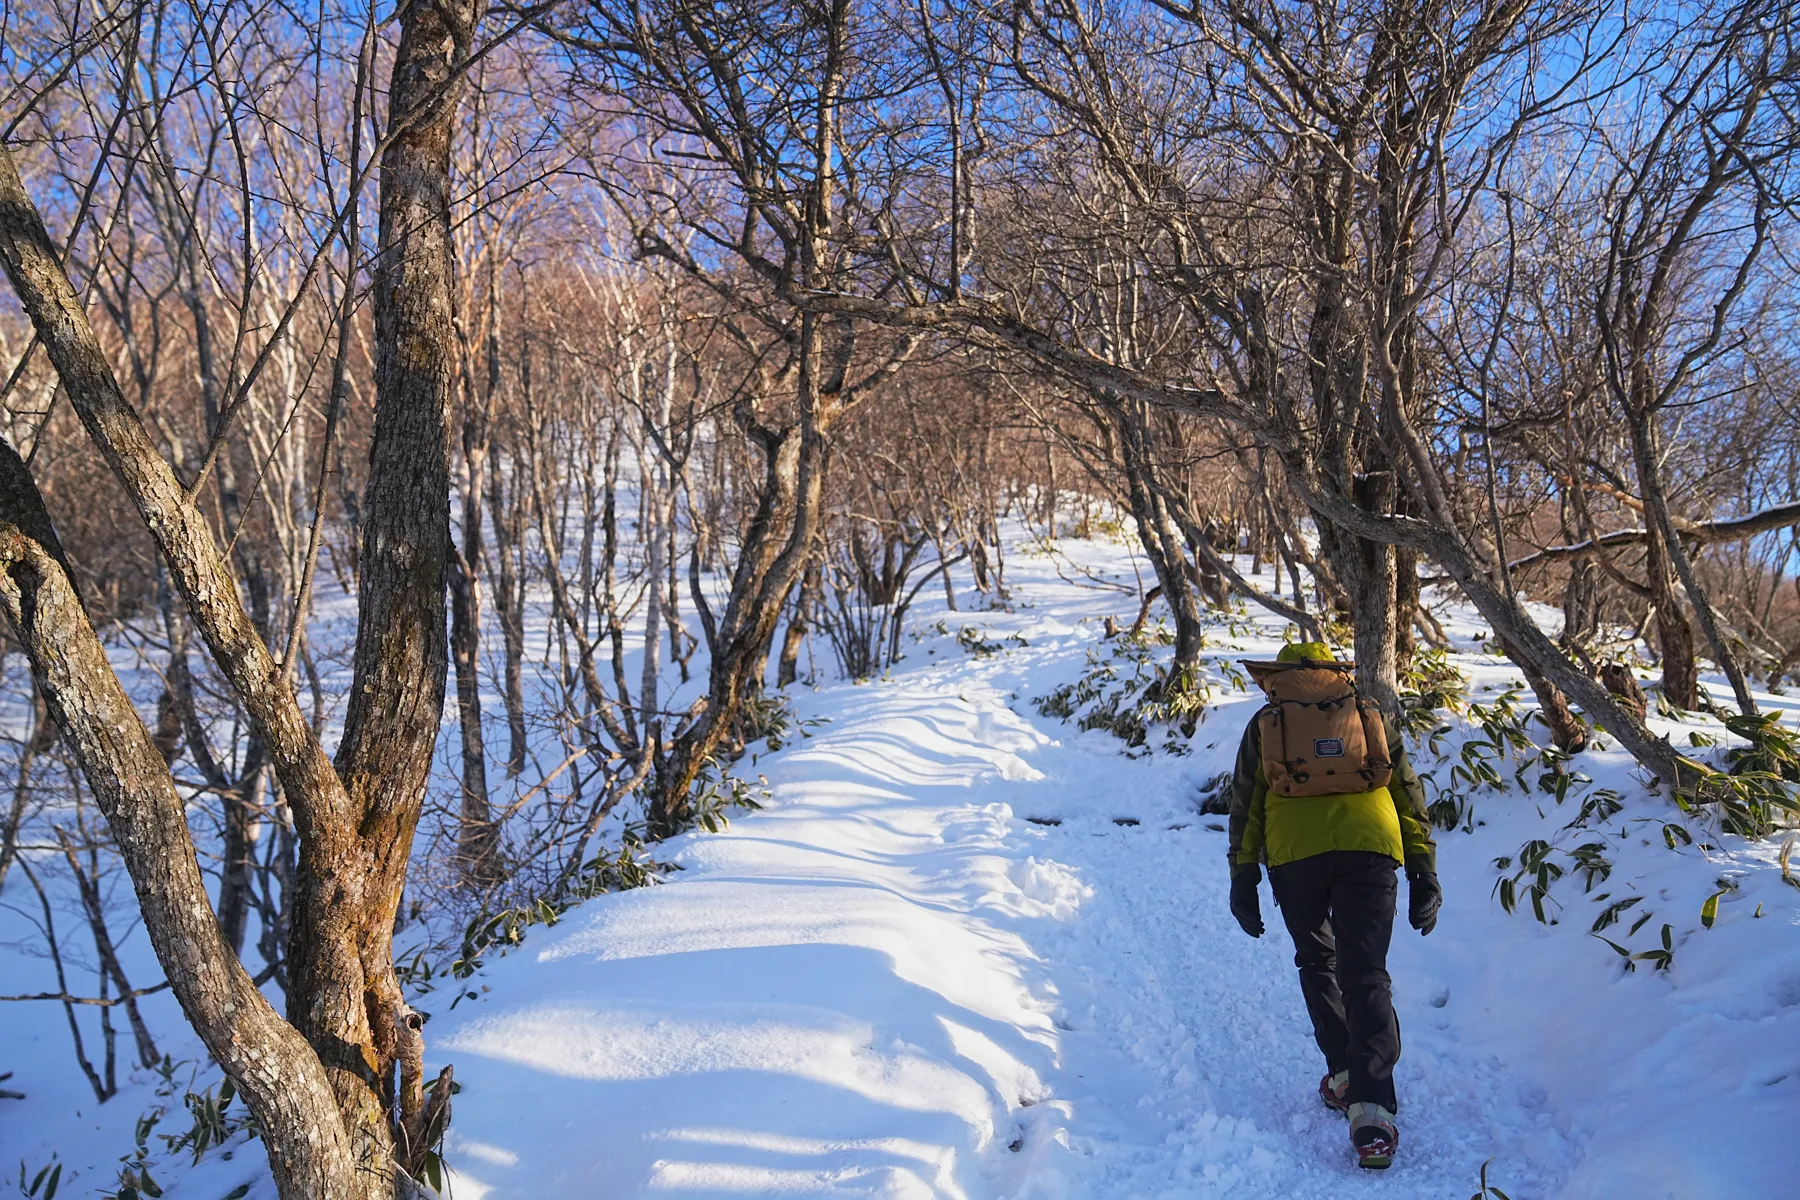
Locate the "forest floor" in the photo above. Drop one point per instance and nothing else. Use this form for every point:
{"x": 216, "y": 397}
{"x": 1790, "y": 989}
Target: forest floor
{"x": 972, "y": 951}
{"x": 968, "y": 950}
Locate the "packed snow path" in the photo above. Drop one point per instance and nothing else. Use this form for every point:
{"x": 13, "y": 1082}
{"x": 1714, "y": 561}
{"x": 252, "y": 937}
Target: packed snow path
{"x": 894, "y": 983}
{"x": 970, "y": 952}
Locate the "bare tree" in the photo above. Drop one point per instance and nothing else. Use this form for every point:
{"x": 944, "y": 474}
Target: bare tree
{"x": 336, "y": 1121}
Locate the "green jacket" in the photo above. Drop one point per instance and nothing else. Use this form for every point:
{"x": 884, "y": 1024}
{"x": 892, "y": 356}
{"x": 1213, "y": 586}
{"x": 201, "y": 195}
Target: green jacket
{"x": 1389, "y": 820}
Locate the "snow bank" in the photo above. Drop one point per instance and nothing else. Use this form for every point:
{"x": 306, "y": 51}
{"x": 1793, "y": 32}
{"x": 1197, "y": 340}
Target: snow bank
{"x": 829, "y": 997}
{"x": 973, "y": 952}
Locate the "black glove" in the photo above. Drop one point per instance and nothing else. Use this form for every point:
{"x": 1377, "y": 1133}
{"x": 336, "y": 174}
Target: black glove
{"x": 1244, "y": 904}
{"x": 1425, "y": 897}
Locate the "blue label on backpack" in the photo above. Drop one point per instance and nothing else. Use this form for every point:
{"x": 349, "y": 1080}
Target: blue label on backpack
{"x": 1328, "y": 747}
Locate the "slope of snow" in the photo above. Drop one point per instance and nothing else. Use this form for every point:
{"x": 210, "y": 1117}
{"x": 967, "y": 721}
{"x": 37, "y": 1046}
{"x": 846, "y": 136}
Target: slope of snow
{"x": 969, "y": 951}
{"x": 896, "y": 983}
{"x": 834, "y": 995}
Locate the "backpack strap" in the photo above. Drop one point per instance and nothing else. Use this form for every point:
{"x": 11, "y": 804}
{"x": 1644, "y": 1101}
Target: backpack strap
{"x": 1281, "y": 720}
{"x": 1279, "y": 707}
{"x": 1377, "y": 768}
{"x": 1274, "y": 709}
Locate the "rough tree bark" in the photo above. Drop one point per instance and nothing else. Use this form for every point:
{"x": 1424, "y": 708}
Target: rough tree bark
{"x": 1408, "y": 595}
{"x": 477, "y": 843}
{"x": 1674, "y": 636}
{"x": 345, "y": 1002}
{"x": 1668, "y": 559}
{"x": 355, "y": 821}
{"x": 279, "y": 1075}
{"x": 1366, "y": 569}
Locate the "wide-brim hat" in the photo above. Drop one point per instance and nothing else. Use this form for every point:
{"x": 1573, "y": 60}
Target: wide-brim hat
{"x": 1262, "y": 669}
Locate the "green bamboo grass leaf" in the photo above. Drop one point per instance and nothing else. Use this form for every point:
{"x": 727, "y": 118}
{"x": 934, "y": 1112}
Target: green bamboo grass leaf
{"x": 1624, "y": 954}
{"x": 1709, "y": 912}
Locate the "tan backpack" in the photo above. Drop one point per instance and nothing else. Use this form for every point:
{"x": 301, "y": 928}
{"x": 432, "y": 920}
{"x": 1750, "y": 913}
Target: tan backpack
{"x": 1318, "y": 737}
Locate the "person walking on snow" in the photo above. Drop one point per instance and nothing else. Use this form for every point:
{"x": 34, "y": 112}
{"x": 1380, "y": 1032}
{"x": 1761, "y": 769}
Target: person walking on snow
{"x": 1324, "y": 793}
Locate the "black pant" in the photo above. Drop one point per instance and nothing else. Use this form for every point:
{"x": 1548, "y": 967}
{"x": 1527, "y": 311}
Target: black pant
{"x": 1339, "y": 909}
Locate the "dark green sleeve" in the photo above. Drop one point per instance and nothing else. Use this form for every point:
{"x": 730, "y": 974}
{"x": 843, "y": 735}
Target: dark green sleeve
{"x": 1409, "y": 803}
{"x": 1249, "y": 791}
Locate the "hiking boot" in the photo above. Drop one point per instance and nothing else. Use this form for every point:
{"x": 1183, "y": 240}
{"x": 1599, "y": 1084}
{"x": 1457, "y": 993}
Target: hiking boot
{"x": 1374, "y": 1135}
{"x": 1333, "y": 1089}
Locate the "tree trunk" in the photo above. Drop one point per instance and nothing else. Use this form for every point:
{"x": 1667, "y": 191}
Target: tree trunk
{"x": 1161, "y": 541}
{"x": 1668, "y": 540}
{"x": 777, "y": 546}
{"x": 38, "y": 741}
{"x": 509, "y": 612}
{"x": 282, "y": 1081}
{"x": 657, "y": 531}
{"x": 766, "y": 568}
{"x": 344, "y": 994}
{"x": 477, "y": 837}
{"x": 1581, "y": 607}
{"x": 1566, "y": 729}
{"x": 1674, "y": 636}
{"x": 787, "y": 667}
{"x": 1504, "y": 615}
{"x": 1366, "y": 570}
{"x": 355, "y": 822}
{"x": 243, "y": 805}
{"x": 1408, "y": 594}
{"x": 200, "y": 573}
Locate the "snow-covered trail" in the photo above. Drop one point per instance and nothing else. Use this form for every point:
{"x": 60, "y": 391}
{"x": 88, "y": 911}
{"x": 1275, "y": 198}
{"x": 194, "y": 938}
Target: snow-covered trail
{"x": 894, "y": 983}
{"x": 835, "y": 996}
{"x": 972, "y": 952}
{"x": 975, "y": 953}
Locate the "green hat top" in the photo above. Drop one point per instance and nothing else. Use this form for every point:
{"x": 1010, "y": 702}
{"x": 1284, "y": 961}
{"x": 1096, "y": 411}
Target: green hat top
{"x": 1305, "y": 652}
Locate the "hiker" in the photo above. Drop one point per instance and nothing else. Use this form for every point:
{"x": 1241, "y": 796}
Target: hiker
{"x": 1324, "y": 793}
